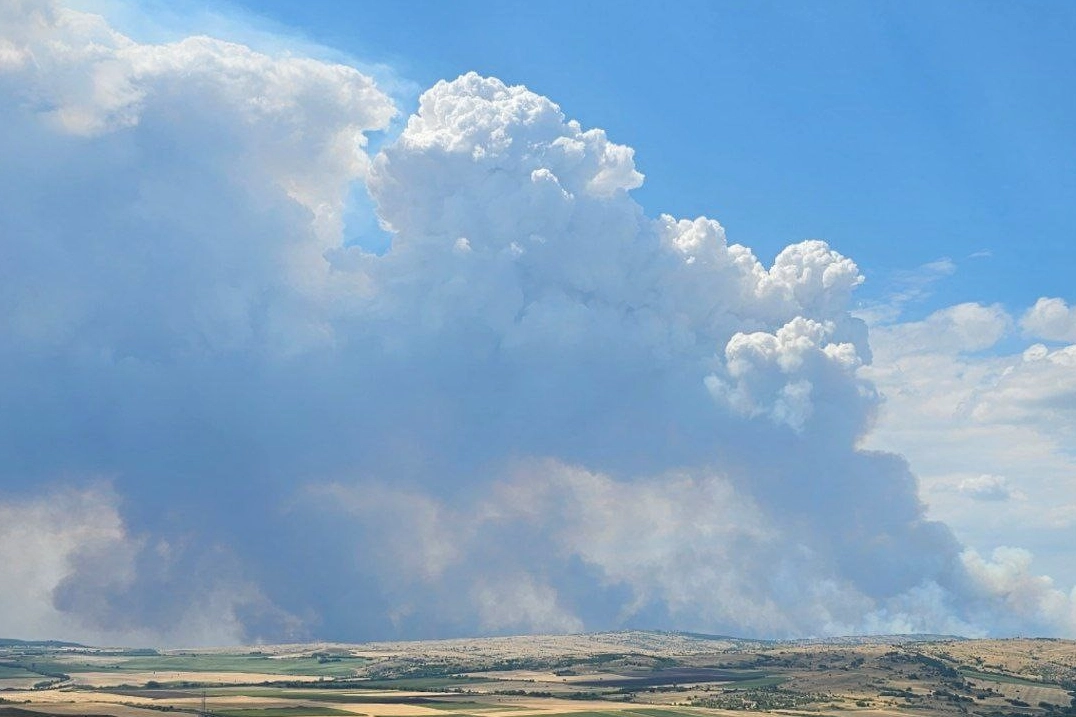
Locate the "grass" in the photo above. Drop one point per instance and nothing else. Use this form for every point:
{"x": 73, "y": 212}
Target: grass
{"x": 633, "y": 712}
{"x": 342, "y": 697}
{"x": 310, "y": 695}
{"x": 1004, "y": 679}
{"x": 240, "y": 663}
{"x": 284, "y": 694}
{"x": 421, "y": 683}
{"x": 298, "y": 711}
{"x": 338, "y": 696}
{"x": 768, "y": 681}
{"x": 673, "y": 676}
{"x": 8, "y": 672}
{"x": 417, "y": 684}
{"x": 43, "y": 666}
{"x": 595, "y": 713}
{"x": 16, "y": 712}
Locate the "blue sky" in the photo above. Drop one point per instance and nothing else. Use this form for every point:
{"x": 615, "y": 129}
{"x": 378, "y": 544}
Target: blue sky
{"x": 359, "y": 321}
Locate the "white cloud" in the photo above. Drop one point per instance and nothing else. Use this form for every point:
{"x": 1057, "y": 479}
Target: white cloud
{"x": 1039, "y": 387}
{"x": 1050, "y": 319}
{"x": 987, "y": 487}
{"x": 960, "y": 328}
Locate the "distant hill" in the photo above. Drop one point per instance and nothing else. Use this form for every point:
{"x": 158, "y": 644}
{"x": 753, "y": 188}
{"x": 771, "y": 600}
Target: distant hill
{"x": 11, "y": 642}
{"x": 878, "y": 639}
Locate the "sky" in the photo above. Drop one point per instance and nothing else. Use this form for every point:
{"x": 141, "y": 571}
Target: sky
{"x": 364, "y": 321}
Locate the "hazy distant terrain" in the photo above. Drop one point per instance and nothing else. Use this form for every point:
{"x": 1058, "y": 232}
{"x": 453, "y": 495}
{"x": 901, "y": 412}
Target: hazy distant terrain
{"x": 621, "y": 674}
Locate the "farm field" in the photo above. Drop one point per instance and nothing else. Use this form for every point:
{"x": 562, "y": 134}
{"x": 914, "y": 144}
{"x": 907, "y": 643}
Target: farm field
{"x": 624, "y": 674}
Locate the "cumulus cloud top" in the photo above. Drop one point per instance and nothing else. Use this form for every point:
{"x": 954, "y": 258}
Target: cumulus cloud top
{"x": 539, "y": 409}
{"x": 772, "y": 372}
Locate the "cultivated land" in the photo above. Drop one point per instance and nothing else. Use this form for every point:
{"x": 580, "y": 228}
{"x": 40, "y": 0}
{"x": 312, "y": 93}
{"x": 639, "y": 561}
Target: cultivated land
{"x": 623, "y": 674}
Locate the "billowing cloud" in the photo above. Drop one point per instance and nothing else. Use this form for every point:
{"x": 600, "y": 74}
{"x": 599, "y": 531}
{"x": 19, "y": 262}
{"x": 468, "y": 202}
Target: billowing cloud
{"x": 772, "y": 371}
{"x": 539, "y": 409}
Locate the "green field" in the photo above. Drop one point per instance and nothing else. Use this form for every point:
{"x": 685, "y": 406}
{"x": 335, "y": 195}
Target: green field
{"x": 39, "y": 667}
{"x": 291, "y": 666}
{"x": 285, "y": 666}
{"x": 9, "y": 672}
{"x": 281, "y": 712}
{"x": 1004, "y": 679}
